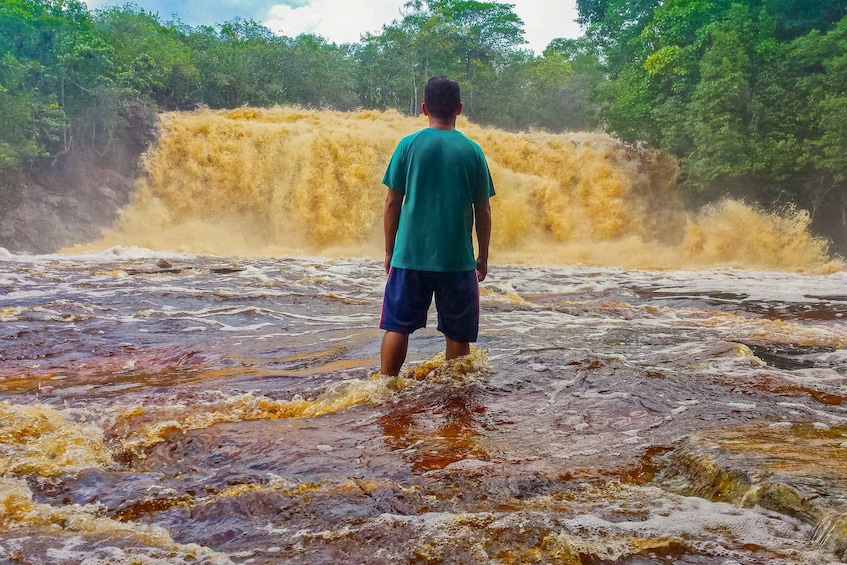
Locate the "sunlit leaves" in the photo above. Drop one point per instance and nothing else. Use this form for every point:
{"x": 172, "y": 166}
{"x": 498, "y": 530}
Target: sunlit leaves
{"x": 750, "y": 95}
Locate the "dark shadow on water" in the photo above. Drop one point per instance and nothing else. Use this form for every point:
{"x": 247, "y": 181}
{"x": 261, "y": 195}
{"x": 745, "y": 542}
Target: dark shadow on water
{"x": 435, "y": 436}
{"x": 788, "y": 357}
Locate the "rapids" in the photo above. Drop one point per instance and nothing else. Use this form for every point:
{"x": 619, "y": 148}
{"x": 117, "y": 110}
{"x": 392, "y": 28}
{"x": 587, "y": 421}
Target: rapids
{"x": 226, "y": 410}
{"x": 651, "y": 386}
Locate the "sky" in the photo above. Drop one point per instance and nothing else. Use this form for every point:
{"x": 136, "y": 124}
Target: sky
{"x": 344, "y": 21}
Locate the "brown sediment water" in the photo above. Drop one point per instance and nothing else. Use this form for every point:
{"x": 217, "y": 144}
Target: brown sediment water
{"x": 229, "y": 410}
{"x": 285, "y": 181}
{"x": 200, "y": 386}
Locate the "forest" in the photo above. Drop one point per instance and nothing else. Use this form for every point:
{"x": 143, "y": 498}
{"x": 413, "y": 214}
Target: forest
{"x": 750, "y": 96}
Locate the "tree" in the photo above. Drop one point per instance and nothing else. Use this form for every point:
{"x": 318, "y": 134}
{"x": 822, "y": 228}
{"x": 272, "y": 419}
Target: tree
{"x": 749, "y": 95}
{"x": 152, "y": 59}
{"x": 478, "y": 37}
{"x": 26, "y": 115}
{"x": 467, "y": 40}
{"x": 718, "y": 113}
{"x": 319, "y": 74}
{"x": 60, "y": 73}
{"x": 242, "y": 63}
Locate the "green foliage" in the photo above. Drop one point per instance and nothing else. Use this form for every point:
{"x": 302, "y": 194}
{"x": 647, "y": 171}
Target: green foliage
{"x": 748, "y": 94}
{"x": 240, "y": 64}
{"x": 19, "y": 109}
{"x": 823, "y": 88}
{"x": 478, "y": 44}
{"x": 469, "y": 41}
{"x": 151, "y": 59}
{"x": 564, "y": 82}
{"x": 832, "y": 120}
{"x": 718, "y": 113}
{"x": 319, "y": 74}
{"x": 60, "y": 87}
{"x": 751, "y": 95}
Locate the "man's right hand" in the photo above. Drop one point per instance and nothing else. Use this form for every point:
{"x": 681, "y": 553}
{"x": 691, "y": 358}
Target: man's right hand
{"x": 391, "y": 222}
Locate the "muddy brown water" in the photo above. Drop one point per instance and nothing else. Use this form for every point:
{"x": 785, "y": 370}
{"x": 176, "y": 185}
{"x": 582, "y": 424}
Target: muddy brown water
{"x": 228, "y": 410}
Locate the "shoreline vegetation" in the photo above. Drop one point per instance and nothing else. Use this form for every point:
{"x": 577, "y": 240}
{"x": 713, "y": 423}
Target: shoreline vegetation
{"x": 748, "y": 97}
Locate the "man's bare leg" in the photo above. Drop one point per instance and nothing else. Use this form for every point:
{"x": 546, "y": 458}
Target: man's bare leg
{"x": 394, "y": 347}
{"x": 456, "y": 349}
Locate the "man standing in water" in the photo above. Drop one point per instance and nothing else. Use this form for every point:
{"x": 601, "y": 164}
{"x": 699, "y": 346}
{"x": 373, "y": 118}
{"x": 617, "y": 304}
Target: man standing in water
{"x": 438, "y": 187}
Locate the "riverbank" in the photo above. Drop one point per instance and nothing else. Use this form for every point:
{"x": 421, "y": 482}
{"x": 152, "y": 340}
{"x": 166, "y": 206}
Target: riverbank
{"x": 66, "y": 203}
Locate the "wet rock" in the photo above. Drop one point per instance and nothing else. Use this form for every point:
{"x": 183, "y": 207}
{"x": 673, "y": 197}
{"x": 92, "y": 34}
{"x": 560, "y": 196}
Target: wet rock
{"x": 67, "y": 204}
{"x": 768, "y": 466}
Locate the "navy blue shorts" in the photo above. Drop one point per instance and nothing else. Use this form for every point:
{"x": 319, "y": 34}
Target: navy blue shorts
{"x": 408, "y": 294}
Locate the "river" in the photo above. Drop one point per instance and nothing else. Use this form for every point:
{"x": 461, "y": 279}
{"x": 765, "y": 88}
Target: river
{"x": 216, "y": 410}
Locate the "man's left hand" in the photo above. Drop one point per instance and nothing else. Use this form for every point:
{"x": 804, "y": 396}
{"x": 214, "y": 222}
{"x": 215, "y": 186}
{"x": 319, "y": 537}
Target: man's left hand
{"x": 481, "y": 270}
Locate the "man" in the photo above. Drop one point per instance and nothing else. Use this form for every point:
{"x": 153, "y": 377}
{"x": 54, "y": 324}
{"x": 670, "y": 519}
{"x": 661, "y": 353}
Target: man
{"x": 438, "y": 188}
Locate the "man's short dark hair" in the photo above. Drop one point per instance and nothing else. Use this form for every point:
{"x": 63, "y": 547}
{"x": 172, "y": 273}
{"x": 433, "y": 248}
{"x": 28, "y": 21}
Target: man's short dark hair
{"x": 441, "y": 96}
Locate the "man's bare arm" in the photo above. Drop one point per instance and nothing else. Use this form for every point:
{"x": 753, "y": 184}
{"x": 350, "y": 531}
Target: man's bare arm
{"x": 391, "y": 221}
{"x": 482, "y": 219}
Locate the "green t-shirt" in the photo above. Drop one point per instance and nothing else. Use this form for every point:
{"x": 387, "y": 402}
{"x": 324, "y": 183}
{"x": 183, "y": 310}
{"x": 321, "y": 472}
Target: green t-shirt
{"x": 441, "y": 173}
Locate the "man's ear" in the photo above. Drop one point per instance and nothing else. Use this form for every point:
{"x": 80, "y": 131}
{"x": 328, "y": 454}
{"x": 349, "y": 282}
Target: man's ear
{"x": 459, "y": 109}
{"x": 424, "y": 110}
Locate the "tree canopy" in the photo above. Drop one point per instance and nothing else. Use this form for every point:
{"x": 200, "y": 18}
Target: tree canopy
{"x": 751, "y": 95}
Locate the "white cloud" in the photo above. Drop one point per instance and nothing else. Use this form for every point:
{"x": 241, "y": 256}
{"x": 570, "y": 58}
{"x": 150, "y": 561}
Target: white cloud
{"x": 344, "y": 21}
{"x": 341, "y": 21}
{"x": 545, "y": 20}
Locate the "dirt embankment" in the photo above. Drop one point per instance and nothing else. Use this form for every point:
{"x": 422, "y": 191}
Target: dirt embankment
{"x": 65, "y": 203}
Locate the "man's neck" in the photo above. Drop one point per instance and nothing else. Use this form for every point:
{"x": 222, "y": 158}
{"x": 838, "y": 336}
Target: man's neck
{"x": 436, "y": 123}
